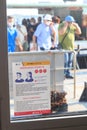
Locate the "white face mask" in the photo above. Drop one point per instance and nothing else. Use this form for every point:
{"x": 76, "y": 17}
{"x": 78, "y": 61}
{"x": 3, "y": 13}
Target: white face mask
{"x": 32, "y": 23}
{"x": 48, "y": 23}
{"x": 10, "y": 25}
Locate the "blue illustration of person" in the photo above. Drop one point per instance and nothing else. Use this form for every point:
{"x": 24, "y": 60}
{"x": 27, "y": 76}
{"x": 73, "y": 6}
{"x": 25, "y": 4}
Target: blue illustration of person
{"x": 29, "y": 77}
{"x": 19, "y": 78}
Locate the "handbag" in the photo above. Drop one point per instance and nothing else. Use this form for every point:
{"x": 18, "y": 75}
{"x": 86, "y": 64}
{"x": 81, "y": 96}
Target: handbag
{"x": 25, "y": 46}
{"x": 59, "y": 46}
{"x": 60, "y": 43}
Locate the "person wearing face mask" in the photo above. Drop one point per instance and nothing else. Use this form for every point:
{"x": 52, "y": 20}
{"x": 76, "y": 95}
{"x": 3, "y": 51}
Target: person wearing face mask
{"x": 12, "y": 36}
{"x": 68, "y": 28}
{"x": 43, "y": 33}
{"x": 31, "y": 29}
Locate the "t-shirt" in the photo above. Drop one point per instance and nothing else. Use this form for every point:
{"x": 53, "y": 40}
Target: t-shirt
{"x": 12, "y": 34}
{"x": 22, "y": 31}
{"x": 68, "y": 43}
{"x": 56, "y": 25}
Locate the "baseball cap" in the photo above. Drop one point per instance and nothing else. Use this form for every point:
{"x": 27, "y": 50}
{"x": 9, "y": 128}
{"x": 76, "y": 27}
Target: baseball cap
{"x": 69, "y": 18}
{"x": 48, "y": 17}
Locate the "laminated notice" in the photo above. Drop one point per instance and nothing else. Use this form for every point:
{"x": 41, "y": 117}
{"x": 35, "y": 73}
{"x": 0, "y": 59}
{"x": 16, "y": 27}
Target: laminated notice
{"x": 31, "y": 88}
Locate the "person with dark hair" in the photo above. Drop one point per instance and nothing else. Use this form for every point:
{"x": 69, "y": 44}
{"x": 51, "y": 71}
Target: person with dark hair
{"x": 22, "y": 35}
{"x": 39, "y": 21}
{"x": 31, "y": 29}
{"x": 56, "y": 22}
{"x": 29, "y": 77}
{"x": 24, "y": 22}
{"x": 19, "y": 79}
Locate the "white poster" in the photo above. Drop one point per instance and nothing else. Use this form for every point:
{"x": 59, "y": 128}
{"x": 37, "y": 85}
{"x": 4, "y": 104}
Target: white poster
{"x": 31, "y": 88}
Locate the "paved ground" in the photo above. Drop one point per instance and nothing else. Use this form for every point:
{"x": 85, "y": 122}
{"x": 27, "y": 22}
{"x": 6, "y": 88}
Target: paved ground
{"x": 74, "y": 93}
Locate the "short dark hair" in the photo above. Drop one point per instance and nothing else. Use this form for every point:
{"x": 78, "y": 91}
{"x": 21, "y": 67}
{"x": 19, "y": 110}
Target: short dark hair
{"x": 56, "y": 19}
{"x": 19, "y": 73}
{"x": 9, "y": 17}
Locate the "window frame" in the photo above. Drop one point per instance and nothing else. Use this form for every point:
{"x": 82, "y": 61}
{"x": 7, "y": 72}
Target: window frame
{"x": 77, "y": 122}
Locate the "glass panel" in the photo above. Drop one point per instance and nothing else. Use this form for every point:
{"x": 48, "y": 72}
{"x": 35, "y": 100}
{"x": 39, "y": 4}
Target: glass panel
{"x": 47, "y": 93}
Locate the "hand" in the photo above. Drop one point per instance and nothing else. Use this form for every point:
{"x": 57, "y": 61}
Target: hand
{"x": 66, "y": 24}
{"x": 33, "y": 47}
{"x": 75, "y": 24}
{"x": 20, "y": 47}
{"x": 53, "y": 45}
{"x": 78, "y": 29}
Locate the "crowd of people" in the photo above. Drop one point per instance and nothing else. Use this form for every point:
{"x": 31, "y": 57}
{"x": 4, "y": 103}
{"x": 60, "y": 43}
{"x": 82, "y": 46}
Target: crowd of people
{"x": 20, "y": 36}
{"x": 44, "y": 34}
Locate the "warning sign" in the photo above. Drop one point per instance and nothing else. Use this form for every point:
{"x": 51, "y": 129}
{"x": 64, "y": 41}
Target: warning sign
{"x": 31, "y": 87}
